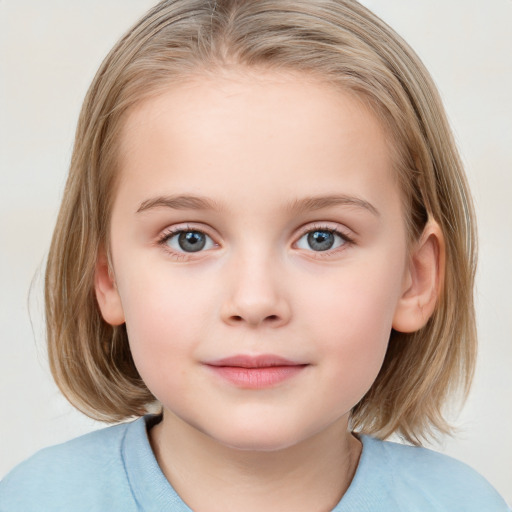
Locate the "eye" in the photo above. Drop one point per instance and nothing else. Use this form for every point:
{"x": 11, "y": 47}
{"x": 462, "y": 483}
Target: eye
{"x": 188, "y": 241}
{"x": 321, "y": 240}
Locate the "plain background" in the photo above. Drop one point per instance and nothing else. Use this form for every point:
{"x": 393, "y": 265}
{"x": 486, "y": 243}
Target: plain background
{"x": 49, "y": 52}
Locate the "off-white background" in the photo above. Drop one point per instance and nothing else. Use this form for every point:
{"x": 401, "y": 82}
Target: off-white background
{"x": 48, "y": 53}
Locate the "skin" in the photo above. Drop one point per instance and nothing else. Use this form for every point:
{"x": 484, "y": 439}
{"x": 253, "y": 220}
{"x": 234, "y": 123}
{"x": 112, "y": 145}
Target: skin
{"x": 256, "y": 146}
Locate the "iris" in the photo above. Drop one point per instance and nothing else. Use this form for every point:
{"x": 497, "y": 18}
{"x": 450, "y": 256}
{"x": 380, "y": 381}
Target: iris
{"x": 321, "y": 240}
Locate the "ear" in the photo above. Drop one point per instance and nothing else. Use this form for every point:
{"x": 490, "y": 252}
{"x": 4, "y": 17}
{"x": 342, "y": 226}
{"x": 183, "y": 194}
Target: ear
{"x": 107, "y": 295}
{"x": 423, "y": 281}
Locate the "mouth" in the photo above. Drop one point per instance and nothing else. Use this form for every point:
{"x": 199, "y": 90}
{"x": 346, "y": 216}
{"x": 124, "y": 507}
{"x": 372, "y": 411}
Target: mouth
{"x": 256, "y": 372}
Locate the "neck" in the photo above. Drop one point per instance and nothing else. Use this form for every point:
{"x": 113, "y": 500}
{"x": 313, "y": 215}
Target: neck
{"x": 209, "y": 476}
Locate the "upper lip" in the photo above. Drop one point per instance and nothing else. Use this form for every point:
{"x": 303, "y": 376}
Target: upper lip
{"x": 258, "y": 361}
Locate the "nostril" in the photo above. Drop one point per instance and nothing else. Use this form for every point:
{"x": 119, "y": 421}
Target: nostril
{"x": 238, "y": 319}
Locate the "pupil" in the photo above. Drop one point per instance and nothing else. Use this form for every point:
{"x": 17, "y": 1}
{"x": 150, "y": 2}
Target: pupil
{"x": 191, "y": 241}
{"x": 320, "y": 240}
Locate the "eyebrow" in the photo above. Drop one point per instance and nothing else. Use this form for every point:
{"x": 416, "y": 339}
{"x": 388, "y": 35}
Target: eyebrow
{"x": 320, "y": 202}
{"x": 191, "y": 202}
{"x": 184, "y": 202}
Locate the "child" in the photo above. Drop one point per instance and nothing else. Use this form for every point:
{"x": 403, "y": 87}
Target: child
{"x": 267, "y": 230}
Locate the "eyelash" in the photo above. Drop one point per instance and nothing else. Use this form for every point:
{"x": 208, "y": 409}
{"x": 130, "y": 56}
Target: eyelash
{"x": 181, "y": 256}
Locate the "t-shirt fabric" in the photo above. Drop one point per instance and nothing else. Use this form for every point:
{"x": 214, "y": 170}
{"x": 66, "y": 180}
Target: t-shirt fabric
{"x": 114, "y": 469}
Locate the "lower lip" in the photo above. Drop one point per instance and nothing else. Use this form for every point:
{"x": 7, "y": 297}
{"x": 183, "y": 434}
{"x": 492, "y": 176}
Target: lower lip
{"x": 257, "y": 378}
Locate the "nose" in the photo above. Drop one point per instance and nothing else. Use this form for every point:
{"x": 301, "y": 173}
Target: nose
{"x": 255, "y": 294}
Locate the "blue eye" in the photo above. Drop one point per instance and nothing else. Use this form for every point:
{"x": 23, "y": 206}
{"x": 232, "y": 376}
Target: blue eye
{"x": 189, "y": 241}
{"x": 321, "y": 240}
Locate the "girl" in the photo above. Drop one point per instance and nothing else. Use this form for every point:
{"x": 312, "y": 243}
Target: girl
{"x": 266, "y": 231}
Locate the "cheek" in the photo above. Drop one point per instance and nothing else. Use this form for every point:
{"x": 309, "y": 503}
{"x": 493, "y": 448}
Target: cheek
{"x": 165, "y": 320}
{"x": 359, "y": 299}
{"x": 353, "y": 321}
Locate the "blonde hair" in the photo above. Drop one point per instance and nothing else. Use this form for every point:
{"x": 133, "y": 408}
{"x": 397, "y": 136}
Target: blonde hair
{"x": 343, "y": 43}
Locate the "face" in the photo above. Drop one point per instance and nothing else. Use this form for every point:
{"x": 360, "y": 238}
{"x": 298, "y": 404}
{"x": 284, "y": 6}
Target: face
{"x": 259, "y": 254}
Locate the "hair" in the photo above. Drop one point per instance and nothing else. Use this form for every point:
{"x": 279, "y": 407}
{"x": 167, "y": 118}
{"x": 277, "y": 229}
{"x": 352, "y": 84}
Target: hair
{"x": 342, "y": 43}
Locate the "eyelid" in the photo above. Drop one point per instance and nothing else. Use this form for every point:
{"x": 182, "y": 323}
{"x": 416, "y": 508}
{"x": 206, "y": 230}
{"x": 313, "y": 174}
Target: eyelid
{"x": 177, "y": 228}
{"x": 334, "y": 227}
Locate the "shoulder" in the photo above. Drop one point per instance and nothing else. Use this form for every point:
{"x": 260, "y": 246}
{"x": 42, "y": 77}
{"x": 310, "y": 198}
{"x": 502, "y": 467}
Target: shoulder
{"x": 85, "y": 470}
{"x": 432, "y": 480}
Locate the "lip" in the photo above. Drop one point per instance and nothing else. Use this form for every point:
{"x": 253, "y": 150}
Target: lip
{"x": 256, "y": 372}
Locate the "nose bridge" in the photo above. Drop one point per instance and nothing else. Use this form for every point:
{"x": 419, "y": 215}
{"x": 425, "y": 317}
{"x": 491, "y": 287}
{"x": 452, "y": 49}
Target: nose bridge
{"x": 256, "y": 291}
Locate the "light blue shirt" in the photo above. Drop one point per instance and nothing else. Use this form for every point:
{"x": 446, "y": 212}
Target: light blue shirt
{"x": 114, "y": 469}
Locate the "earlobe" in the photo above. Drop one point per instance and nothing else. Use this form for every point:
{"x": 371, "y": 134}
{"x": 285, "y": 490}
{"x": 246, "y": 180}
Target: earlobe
{"x": 423, "y": 281}
{"x": 107, "y": 294}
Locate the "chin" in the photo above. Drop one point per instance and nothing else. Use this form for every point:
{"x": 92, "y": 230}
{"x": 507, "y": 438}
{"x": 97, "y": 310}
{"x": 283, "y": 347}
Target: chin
{"x": 257, "y": 445}
{"x": 263, "y": 438}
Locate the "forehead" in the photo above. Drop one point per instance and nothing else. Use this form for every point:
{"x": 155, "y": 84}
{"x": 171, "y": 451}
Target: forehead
{"x": 253, "y": 132}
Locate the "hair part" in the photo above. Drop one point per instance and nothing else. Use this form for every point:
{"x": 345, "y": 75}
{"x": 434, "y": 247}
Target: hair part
{"x": 342, "y": 43}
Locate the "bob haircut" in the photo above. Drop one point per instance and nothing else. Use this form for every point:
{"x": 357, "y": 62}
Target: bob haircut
{"x": 342, "y": 43}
